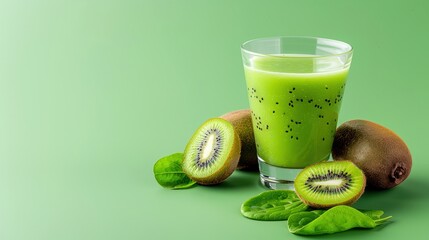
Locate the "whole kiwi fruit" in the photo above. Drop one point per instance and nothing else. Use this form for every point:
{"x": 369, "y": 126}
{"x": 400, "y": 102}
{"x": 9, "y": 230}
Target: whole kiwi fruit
{"x": 242, "y": 122}
{"x": 212, "y": 153}
{"x": 378, "y": 151}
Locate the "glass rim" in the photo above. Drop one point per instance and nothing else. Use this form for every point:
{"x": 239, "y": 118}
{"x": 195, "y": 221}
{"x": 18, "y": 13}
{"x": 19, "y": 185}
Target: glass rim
{"x": 348, "y": 51}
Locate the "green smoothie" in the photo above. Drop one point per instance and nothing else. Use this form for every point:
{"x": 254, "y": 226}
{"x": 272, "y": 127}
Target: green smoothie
{"x": 294, "y": 114}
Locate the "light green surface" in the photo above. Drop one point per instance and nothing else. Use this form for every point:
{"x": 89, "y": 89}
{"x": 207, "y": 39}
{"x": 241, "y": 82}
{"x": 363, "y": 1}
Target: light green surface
{"x": 293, "y": 123}
{"x": 92, "y": 93}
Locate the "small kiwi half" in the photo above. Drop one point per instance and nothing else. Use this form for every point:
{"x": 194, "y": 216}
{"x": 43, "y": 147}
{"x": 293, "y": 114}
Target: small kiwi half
{"x": 212, "y": 153}
{"x": 328, "y": 184}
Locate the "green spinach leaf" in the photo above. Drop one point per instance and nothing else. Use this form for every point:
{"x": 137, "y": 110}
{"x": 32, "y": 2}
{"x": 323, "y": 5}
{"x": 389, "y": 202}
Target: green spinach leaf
{"x": 272, "y": 205}
{"x": 169, "y": 174}
{"x": 336, "y": 219}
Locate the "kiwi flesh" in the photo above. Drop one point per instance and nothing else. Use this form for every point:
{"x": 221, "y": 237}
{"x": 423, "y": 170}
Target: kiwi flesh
{"x": 328, "y": 184}
{"x": 378, "y": 151}
{"x": 242, "y": 122}
{"x": 212, "y": 153}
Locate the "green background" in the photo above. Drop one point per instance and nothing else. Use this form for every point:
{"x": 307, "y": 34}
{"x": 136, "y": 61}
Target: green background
{"x": 92, "y": 93}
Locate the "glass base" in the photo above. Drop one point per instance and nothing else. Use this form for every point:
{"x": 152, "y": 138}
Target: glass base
{"x": 274, "y": 177}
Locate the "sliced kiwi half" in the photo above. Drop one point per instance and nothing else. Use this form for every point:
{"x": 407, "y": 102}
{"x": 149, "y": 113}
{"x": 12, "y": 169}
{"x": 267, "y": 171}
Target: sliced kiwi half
{"x": 212, "y": 153}
{"x": 328, "y": 184}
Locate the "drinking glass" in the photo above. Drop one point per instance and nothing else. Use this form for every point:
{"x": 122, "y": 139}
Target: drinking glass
{"x": 295, "y": 88}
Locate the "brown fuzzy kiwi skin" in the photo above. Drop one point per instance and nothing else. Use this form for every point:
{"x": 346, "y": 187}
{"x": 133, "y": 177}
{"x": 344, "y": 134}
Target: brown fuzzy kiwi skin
{"x": 378, "y": 151}
{"x": 325, "y": 206}
{"x": 242, "y": 122}
{"x": 222, "y": 173}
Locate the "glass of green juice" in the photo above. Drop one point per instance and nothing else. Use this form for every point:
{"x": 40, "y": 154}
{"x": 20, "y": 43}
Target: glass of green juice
{"x": 295, "y": 88}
